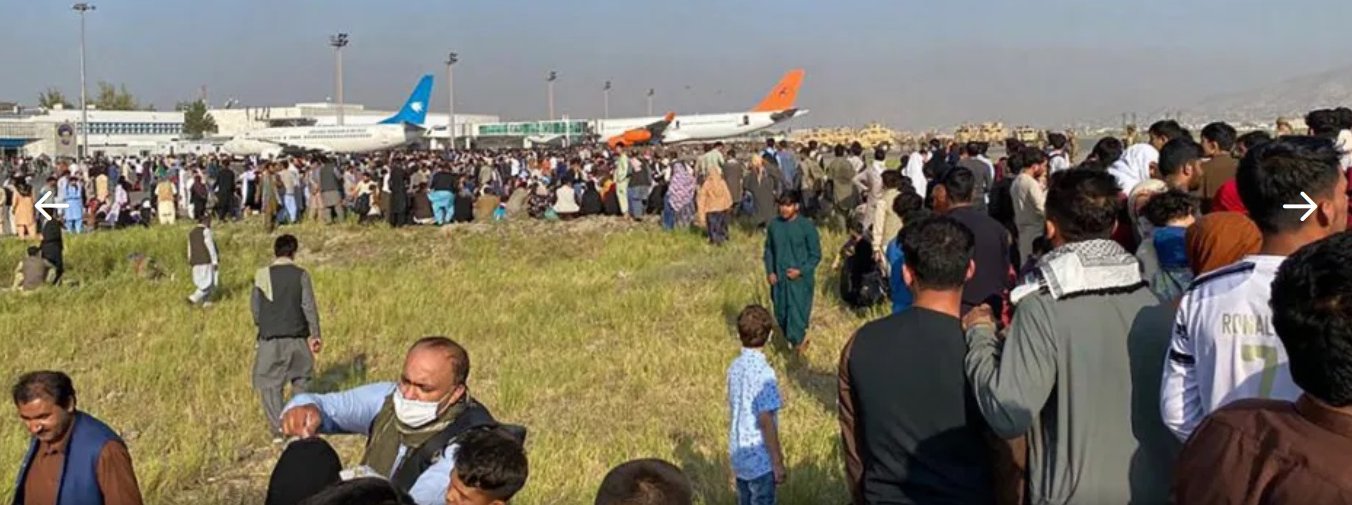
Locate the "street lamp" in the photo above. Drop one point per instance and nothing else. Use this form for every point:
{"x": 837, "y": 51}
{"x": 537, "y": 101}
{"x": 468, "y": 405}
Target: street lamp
{"x": 650, "y": 100}
{"x": 606, "y": 91}
{"x": 552, "y": 77}
{"x": 82, "y": 8}
{"x": 338, "y": 42}
{"x": 450, "y": 98}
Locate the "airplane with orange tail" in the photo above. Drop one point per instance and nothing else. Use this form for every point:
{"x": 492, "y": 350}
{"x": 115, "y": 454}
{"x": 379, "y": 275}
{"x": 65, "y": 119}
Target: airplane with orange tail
{"x": 777, "y": 107}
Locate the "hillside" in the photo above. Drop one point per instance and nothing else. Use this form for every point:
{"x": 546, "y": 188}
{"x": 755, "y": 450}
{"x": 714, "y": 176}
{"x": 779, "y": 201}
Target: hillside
{"x": 1291, "y": 97}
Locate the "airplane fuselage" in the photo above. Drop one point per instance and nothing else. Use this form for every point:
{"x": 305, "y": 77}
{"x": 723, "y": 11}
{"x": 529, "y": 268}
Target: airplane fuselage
{"x": 701, "y": 127}
{"x": 333, "y": 139}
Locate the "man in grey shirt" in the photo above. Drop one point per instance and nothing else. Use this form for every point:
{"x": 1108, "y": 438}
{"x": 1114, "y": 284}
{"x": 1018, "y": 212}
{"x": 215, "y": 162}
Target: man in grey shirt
{"x": 284, "y": 310}
{"x": 984, "y": 175}
{"x": 1079, "y": 373}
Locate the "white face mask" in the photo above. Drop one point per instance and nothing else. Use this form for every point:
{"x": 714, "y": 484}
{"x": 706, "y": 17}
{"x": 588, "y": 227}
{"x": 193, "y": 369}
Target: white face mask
{"x": 414, "y": 413}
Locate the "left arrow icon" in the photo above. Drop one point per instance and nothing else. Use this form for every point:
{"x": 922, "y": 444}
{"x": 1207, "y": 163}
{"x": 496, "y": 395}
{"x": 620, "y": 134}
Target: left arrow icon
{"x": 43, "y": 206}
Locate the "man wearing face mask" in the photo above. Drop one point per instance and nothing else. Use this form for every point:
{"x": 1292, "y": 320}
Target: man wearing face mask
{"x": 411, "y": 426}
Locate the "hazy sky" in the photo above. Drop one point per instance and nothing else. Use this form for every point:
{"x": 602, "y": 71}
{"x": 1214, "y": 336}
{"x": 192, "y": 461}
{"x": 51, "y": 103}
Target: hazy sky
{"x": 909, "y": 64}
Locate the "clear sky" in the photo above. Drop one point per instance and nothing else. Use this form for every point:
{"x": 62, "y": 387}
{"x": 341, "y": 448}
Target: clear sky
{"x": 907, "y": 63}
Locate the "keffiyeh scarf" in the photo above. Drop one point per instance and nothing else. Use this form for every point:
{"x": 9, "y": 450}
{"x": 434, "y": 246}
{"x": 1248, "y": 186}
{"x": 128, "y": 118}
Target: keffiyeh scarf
{"x": 1080, "y": 268}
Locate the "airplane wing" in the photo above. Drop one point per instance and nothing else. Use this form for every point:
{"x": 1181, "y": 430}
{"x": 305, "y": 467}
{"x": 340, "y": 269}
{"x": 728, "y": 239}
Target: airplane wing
{"x": 649, "y": 133}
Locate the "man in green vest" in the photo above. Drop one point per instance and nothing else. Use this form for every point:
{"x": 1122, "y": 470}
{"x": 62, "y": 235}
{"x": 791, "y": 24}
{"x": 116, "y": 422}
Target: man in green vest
{"x": 412, "y": 426}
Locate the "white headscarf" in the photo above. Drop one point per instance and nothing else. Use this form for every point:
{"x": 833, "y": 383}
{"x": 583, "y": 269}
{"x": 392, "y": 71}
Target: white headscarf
{"x": 1134, "y": 166}
{"x": 1344, "y": 145}
{"x": 915, "y": 169}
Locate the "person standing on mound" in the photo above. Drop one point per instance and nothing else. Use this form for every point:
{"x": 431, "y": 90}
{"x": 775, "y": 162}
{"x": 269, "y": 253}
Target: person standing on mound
{"x": 792, "y": 252}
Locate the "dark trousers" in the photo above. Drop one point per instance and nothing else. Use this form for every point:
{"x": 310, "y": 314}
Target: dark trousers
{"x": 718, "y": 226}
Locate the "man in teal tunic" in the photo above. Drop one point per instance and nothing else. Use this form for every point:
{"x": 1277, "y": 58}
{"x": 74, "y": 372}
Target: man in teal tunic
{"x": 792, "y": 252}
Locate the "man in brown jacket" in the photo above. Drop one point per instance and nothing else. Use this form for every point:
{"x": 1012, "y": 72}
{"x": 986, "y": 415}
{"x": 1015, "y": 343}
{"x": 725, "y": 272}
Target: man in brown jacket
{"x": 1218, "y": 139}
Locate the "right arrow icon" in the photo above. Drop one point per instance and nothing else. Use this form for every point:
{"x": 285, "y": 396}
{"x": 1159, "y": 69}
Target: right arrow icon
{"x": 1309, "y": 206}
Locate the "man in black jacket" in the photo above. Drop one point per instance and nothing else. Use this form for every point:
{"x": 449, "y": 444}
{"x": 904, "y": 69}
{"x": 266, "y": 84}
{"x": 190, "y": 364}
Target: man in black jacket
{"x": 225, "y": 194}
{"x": 284, "y": 310}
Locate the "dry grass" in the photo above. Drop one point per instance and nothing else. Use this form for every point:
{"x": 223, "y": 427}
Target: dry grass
{"x": 608, "y": 340}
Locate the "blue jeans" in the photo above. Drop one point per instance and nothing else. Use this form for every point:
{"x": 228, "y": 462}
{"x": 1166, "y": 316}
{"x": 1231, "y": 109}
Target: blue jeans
{"x": 757, "y": 491}
{"x": 75, "y": 225}
{"x": 443, "y": 206}
{"x": 638, "y": 200}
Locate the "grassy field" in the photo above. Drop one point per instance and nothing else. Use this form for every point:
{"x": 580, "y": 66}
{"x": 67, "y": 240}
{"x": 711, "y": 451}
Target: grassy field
{"x": 608, "y": 340}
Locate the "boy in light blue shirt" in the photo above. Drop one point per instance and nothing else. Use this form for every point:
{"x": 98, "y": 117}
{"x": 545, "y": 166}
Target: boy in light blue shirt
{"x": 753, "y": 404}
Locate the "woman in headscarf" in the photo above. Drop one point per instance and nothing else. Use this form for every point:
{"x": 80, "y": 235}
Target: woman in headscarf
{"x": 1219, "y": 239}
{"x": 714, "y": 206}
{"x": 680, "y": 211}
{"x": 1134, "y": 166}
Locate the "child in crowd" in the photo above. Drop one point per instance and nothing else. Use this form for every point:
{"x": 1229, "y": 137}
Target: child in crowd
{"x": 753, "y": 404}
{"x": 490, "y": 468}
{"x": 1164, "y": 260}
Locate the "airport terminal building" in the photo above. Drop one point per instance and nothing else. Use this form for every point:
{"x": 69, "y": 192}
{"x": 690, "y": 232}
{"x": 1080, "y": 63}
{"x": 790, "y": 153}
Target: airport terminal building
{"x": 58, "y": 132}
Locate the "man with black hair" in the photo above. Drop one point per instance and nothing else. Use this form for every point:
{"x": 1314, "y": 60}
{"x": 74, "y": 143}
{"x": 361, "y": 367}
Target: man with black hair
{"x": 490, "y": 468}
{"x": 792, "y": 252}
{"x": 911, "y": 430}
{"x": 645, "y": 482}
{"x": 1074, "y": 373}
{"x": 954, "y": 196}
{"x": 1218, "y": 140}
{"x": 284, "y": 310}
{"x": 844, "y": 196}
{"x": 1223, "y": 348}
{"x": 1058, "y": 158}
{"x": 984, "y": 174}
{"x": 1028, "y": 197}
{"x": 1227, "y": 198}
{"x": 886, "y": 222}
{"x": 1161, "y": 132}
{"x": 1180, "y": 164}
{"x": 414, "y": 427}
{"x": 1323, "y": 123}
{"x": 1288, "y": 450}
{"x": 72, "y": 458}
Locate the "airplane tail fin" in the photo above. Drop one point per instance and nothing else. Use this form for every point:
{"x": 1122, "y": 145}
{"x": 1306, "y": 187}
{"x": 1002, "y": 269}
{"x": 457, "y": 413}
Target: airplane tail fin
{"x": 415, "y": 109}
{"x": 784, "y": 94}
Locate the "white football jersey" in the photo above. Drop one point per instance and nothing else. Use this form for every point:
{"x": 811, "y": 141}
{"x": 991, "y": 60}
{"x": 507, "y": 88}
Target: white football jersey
{"x": 1223, "y": 347}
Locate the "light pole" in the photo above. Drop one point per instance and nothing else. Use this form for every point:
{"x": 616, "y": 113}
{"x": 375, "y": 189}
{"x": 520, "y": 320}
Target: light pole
{"x": 338, "y": 42}
{"x": 82, "y": 8}
{"x": 606, "y": 91}
{"x": 552, "y": 77}
{"x": 650, "y": 101}
{"x": 450, "y": 98}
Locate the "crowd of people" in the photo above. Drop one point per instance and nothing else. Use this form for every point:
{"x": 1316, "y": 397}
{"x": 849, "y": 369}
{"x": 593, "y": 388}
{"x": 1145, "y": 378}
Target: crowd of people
{"x": 1155, "y": 324}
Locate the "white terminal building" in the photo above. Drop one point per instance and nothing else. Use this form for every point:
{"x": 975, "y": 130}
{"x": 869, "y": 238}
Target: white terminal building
{"x": 58, "y": 132}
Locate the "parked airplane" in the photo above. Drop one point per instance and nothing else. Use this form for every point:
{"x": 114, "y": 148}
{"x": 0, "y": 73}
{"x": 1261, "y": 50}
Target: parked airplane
{"x": 777, "y": 107}
{"x": 398, "y": 130}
